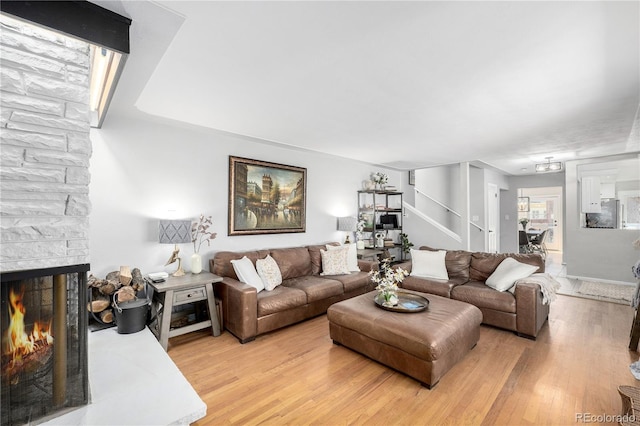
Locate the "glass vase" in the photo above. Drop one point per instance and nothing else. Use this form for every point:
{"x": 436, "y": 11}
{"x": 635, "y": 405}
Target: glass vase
{"x": 196, "y": 263}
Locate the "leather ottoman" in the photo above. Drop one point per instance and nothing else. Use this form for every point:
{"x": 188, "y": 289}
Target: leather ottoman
{"x": 423, "y": 345}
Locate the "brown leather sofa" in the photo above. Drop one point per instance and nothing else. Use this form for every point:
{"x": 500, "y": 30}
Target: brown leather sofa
{"x": 303, "y": 294}
{"x": 521, "y": 311}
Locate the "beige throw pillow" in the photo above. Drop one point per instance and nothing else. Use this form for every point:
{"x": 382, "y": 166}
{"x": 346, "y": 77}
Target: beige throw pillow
{"x": 429, "y": 264}
{"x": 352, "y": 256}
{"x": 269, "y": 272}
{"x": 334, "y": 262}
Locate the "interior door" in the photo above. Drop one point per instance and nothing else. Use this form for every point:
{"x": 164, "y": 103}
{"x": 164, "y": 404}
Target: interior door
{"x": 493, "y": 211}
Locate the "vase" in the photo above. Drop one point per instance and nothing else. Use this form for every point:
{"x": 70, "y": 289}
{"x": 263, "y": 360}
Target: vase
{"x": 360, "y": 245}
{"x": 196, "y": 263}
{"x": 390, "y": 298}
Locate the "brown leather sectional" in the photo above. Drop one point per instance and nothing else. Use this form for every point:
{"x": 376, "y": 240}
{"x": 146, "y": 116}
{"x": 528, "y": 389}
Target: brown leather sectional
{"x": 521, "y": 311}
{"x": 303, "y": 294}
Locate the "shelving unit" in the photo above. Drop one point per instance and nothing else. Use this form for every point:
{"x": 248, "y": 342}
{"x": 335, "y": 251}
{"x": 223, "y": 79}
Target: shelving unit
{"x": 382, "y": 213}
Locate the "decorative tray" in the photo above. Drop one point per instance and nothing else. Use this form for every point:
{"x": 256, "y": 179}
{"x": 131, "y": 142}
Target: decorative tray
{"x": 407, "y": 303}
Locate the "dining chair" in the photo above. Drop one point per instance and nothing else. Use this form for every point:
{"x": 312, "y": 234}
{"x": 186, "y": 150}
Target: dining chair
{"x": 523, "y": 242}
{"x": 539, "y": 245}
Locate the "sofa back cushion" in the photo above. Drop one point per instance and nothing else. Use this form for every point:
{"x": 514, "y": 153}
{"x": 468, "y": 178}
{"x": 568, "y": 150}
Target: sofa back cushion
{"x": 223, "y": 267}
{"x": 293, "y": 262}
{"x": 483, "y": 264}
{"x": 457, "y": 263}
{"x": 316, "y": 258}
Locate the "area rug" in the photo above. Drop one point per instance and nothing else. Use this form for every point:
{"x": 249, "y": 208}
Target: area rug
{"x": 607, "y": 291}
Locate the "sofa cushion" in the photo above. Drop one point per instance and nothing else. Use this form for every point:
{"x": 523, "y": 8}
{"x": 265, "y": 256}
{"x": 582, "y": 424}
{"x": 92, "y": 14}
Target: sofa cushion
{"x": 334, "y": 262}
{"x": 353, "y": 281}
{"x": 316, "y": 258}
{"x": 429, "y": 285}
{"x": 316, "y": 288}
{"x": 508, "y": 272}
{"x": 280, "y": 299}
{"x": 293, "y": 262}
{"x": 457, "y": 263}
{"x": 429, "y": 264}
{"x": 269, "y": 272}
{"x": 352, "y": 255}
{"x": 223, "y": 267}
{"x": 483, "y": 296}
{"x": 483, "y": 264}
{"x": 247, "y": 274}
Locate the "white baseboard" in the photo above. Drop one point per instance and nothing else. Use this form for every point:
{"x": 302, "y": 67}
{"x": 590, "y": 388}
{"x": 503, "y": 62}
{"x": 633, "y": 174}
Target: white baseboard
{"x": 575, "y": 277}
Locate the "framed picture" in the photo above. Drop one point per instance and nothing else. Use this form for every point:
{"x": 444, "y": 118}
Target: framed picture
{"x": 523, "y": 204}
{"x": 412, "y": 177}
{"x": 266, "y": 198}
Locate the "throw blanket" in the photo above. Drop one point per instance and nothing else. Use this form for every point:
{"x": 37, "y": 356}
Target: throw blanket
{"x": 548, "y": 285}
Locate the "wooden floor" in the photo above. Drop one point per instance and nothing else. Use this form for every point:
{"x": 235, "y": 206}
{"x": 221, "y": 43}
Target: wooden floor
{"x": 298, "y": 376}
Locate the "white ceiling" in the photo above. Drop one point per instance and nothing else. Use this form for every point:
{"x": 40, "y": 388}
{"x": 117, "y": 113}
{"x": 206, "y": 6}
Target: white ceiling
{"x": 400, "y": 84}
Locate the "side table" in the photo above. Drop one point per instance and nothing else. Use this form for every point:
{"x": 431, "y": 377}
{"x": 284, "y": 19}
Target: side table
{"x": 177, "y": 291}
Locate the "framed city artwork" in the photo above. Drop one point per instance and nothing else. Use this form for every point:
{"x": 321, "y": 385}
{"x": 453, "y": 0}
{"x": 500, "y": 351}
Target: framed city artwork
{"x": 266, "y": 198}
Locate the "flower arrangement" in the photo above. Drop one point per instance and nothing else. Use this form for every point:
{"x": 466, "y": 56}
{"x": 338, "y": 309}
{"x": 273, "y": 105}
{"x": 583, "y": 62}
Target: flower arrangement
{"x": 524, "y": 222}
{"x": 387, "y": 280}
{"x": 379, "y": 178}
{"x": 200, "y": 233}
{"x": 359, "y": 229}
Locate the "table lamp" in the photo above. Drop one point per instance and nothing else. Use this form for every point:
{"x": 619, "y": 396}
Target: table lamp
{"x": 347, "y": 224}
{"x": 175, "y": 232}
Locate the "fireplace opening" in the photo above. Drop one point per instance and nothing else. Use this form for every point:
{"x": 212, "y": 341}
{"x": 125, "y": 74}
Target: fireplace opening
{"x": 43, "y": 359}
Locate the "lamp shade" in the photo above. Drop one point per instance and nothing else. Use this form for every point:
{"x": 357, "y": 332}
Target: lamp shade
{"x": 347, "y": 224}
{"x": 174, "y": 232}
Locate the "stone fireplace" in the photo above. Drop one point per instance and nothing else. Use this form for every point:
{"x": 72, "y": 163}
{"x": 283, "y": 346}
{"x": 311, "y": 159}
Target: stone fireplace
{"x": 43, "y": 320}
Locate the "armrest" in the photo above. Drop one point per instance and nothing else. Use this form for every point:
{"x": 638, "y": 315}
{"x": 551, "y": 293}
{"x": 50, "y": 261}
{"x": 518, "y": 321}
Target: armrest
{"x": 367, "y": 265}
{"x": 531, "y": 313}
{"x": 239, "y": 307}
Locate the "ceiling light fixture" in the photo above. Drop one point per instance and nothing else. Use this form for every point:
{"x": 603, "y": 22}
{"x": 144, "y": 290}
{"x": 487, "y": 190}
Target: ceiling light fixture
{"x": 549, "y": 166}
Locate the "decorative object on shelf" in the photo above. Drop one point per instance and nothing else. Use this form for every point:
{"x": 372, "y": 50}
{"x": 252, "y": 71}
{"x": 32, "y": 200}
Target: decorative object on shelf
{"x": 379, "y": 179}
{"x": 359, "y": 234}
{"x": 266, "y": 198}
{"x": 380, "y": 239}
{"x": 387, "y": 280}
{"x": 175, "y": 232}
{"x": 405, "y": 243}
{"x": 523, "y": 204}
{"x": 347, "y": 224}
{"x": 524, "y": 222}
{"x": 368, "y": 185}
{"x": 199, "y": 234}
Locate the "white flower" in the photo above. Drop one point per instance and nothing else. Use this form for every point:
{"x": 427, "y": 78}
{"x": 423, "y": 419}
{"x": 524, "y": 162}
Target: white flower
{"x": 387, "y": 278}
{"x": 379, "y": 178}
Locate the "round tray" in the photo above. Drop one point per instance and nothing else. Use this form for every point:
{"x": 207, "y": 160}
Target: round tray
{"x": 407, "y": 303}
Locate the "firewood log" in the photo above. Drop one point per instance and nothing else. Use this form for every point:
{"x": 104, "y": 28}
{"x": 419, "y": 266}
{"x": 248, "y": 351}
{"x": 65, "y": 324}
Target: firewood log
{"x": 113, "y": 276}
{"x": 106, "y": 316}
{"x": 137, "y": 282}
{"x": 109, "y": 287}
{"x": 125, "y": 275}
{"x": 125, "y": 294}
{"x": 98, "y": 305}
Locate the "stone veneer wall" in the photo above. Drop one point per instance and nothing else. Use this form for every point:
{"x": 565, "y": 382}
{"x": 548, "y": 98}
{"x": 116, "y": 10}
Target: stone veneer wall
{"x": 44, "y": 148}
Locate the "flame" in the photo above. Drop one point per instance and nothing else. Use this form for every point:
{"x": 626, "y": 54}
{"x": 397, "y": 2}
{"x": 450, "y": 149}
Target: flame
{"x": 21, "y": 343}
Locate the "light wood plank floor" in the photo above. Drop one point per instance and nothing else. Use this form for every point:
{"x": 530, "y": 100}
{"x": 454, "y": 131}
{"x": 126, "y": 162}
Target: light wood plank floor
{"x": 298, "y": 376}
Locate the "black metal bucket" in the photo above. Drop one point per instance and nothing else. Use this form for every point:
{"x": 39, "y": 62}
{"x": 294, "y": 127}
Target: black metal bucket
{"x": 131, "y": 316}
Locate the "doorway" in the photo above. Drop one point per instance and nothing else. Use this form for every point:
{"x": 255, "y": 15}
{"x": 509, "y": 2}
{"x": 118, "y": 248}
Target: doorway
{"x": 545, "y": 212}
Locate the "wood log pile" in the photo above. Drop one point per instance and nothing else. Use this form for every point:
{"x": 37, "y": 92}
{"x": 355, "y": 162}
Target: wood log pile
{"x": 119, "y": 285}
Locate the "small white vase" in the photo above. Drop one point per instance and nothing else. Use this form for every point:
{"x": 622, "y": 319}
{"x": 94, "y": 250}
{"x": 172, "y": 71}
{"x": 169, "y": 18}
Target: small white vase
{"x": 360, "y": 245}
{"x": 196, "y": 263}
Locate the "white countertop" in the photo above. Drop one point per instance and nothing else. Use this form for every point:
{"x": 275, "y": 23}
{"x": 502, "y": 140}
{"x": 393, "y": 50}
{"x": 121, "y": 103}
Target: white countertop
{"x": 134, "y": 382}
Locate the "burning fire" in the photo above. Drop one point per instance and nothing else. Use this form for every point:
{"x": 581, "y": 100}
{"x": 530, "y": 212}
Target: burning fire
{"x": 21, "y": 343}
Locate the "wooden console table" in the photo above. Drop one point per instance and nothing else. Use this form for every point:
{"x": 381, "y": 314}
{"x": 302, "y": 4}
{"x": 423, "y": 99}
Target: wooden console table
{"x": 177, "y": 291}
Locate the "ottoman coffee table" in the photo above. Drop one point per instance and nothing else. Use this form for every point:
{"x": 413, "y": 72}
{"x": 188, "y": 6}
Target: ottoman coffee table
{"x": 423, "y": 345}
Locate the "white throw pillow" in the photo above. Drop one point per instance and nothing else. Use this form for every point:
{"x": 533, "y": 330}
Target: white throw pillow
{"x": 334, "y": 262}
{"x": 352, "y": 256}
{"x": 247, "y": 274}
{"x": 429, "y": 264}
{"x": 269, "y": 272}
{"x": 508, "y": 272}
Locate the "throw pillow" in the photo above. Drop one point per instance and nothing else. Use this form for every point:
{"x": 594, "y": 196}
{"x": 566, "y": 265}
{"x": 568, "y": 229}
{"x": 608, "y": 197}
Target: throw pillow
{"x": 429, "y": 264}
{"x": 352, "y": 256}
{"x": 334, "y": 262}
{"x": 508, "y": 272}
{"x": 269, "y": 272}
{"x": 247, "y": 274}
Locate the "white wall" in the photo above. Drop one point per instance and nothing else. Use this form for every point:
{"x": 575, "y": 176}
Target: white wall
{"x": 141, "y": 170}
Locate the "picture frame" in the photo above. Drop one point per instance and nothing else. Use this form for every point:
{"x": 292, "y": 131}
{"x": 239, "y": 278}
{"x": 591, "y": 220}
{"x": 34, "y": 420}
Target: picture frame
{"x": 265, "y": 197}
{"x": 412, "y": 177}
{"x": 523, "y": 204}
